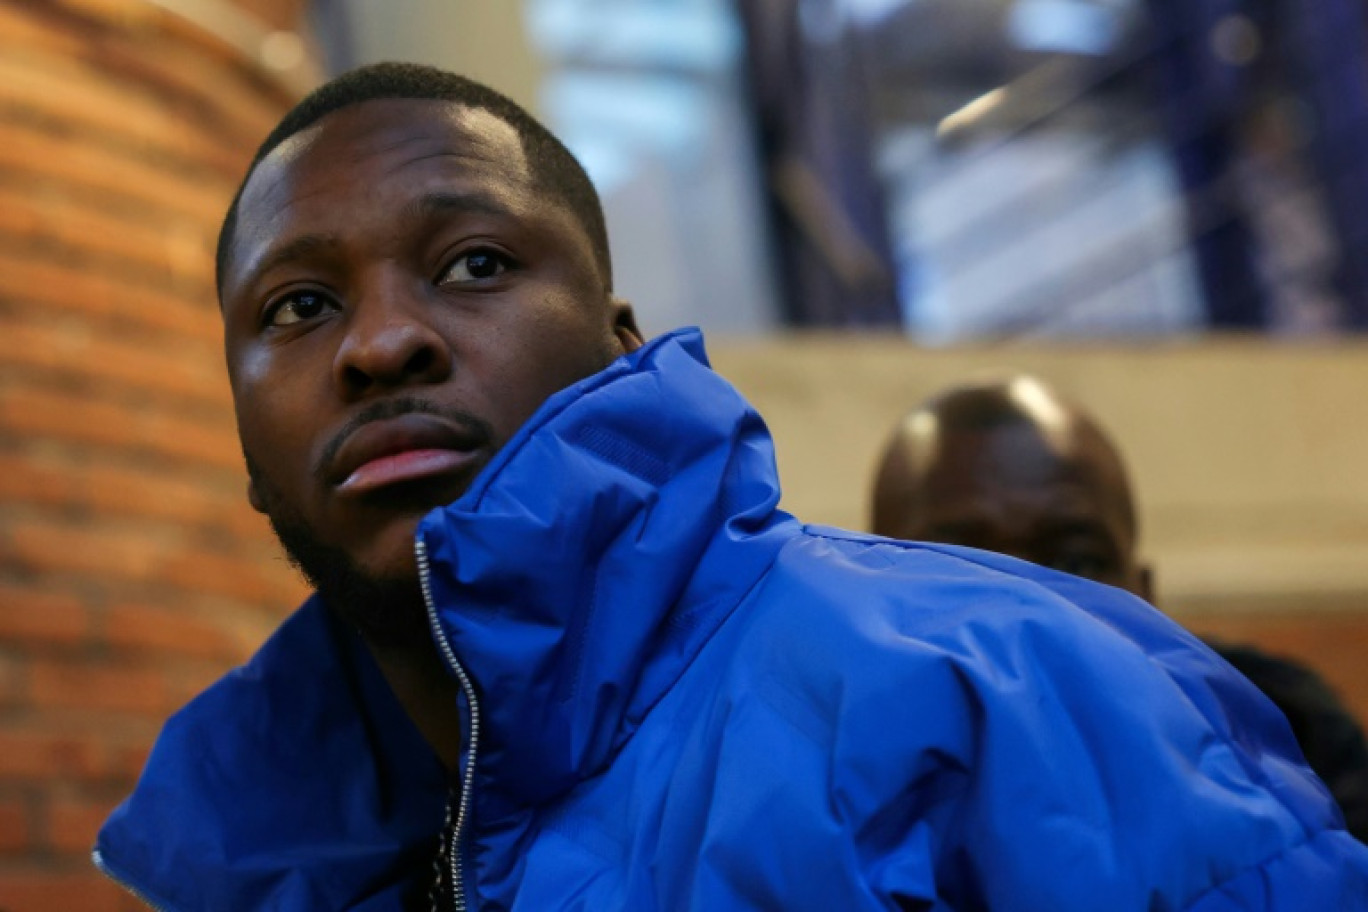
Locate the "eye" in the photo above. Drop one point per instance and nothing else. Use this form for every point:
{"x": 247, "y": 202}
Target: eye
{"x": 475, "y": 266}
{"x": 296, "y": 307}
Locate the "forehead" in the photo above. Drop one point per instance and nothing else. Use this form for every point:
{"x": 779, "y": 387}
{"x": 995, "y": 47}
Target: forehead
{"x": 1016, "y": 460}
{"x": 388, "y": 134}
{"x": 1014, "y": 453}
{"x": 377, "y": 151}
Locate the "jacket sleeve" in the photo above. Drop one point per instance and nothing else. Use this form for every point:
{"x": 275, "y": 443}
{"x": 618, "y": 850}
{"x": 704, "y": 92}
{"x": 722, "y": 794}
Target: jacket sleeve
{"x": 1326, "y": 872}
{"x": 1104, "y": 758}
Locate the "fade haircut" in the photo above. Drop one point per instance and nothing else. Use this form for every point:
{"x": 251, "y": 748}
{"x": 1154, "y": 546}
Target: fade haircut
{"x": 554, "y": 168}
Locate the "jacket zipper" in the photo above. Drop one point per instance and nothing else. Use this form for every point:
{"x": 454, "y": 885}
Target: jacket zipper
{"x": 141, "y": 897}
{"x": 458, "y": 898}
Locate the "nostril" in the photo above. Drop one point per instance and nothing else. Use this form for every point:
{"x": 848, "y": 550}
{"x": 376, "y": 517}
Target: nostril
{"x": 420, "y": 362}
{"x": 355, "y": 378}
{"x": 391, "y": 354}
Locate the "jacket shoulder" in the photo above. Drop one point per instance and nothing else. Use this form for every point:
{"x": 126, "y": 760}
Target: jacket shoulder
{"x": 1033, "y": 722}
{"x": 231, "y": 811}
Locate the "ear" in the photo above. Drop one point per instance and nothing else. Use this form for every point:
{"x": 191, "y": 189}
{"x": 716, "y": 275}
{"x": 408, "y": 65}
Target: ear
{"x": 254, "y": 497}
{"x": 625, "y": 326}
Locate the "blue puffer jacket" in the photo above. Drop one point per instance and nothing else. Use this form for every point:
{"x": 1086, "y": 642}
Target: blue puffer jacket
{"x": 686, "y": 700}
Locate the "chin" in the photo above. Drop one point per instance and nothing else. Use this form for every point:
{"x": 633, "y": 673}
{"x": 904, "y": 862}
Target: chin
{"x": 392, "y": 561}
{"x": 387, "y": 614}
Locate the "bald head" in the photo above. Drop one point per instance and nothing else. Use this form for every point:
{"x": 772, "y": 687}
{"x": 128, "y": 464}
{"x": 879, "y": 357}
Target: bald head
{"x": 1010, "y": 466}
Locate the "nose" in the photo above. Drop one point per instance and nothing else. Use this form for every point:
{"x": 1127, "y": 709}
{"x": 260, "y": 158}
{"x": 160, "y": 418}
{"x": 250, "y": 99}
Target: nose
{"x": 390, "y": 342}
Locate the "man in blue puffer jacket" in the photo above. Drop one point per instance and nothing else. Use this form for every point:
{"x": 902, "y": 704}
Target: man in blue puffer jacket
{"x": 566, "y": 652}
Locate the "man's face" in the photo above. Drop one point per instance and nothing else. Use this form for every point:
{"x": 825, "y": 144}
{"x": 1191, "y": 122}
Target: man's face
{"x": 400, "y": 298}
{"x": 1060, "y": 502}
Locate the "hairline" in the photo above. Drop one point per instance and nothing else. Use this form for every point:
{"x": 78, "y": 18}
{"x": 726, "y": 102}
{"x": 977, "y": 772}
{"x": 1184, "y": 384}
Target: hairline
{"x": 595, "y": 232}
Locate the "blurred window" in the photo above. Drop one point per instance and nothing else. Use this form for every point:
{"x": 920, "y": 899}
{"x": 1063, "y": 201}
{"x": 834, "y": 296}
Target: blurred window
{"x": 1118, "y": 167}
{"x": 650, "y": 95}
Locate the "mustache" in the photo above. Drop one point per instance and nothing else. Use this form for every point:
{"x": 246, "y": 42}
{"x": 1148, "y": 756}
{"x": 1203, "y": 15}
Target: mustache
{"x": 385, "y": 409}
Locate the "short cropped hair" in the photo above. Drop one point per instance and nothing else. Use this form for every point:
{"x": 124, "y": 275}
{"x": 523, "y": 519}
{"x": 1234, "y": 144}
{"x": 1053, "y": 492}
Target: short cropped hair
{"x": 554, "y": 168}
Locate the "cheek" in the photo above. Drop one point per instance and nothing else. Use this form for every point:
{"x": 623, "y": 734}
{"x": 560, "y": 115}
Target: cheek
{"x": 273, "y": 412}
{"x": 255, "y": 367}
{"x": 534, "y": 361}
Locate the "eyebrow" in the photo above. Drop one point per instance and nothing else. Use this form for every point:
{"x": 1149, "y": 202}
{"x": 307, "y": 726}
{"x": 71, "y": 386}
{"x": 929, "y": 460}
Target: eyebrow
{"x": 300, "y": 248}
{"x": 424, "y": 207}
{"x": 438, "y": 204}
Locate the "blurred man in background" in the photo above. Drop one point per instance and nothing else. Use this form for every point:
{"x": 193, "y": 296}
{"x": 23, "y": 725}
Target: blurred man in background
{"x": 1010, "y": 466}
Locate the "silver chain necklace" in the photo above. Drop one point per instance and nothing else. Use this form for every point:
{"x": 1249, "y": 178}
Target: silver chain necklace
{"x": 437, "y": 893}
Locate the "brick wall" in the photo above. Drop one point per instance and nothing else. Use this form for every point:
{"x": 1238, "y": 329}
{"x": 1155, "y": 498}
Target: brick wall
{"x": 132, "y": 573}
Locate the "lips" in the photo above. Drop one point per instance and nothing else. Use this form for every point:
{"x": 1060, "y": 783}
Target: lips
{"x": 407, "y": 448}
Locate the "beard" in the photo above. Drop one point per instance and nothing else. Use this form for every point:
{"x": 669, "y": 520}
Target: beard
{"x": 387, "y": 612}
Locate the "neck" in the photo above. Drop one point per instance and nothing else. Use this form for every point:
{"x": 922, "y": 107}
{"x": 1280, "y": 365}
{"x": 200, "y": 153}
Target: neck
{"x": 428, "y": 693}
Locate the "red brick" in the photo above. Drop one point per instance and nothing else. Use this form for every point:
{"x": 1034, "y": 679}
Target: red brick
{"x": 73, "y": 820}
{"x": 210, "y": 499}
{"x": 120, "y": 472}
{"x": 16, "y": 831}
{"x": 77, "y": 747}
{"x": 192, "y": 678}
{"x": 253, "y": 579}
{"x": 47, "y": 285}
{"x": 69, "y": 889}
{"x": 185, "y": 372}
{"x": 54, "y": 159}
{"x": 67, "y": 91}
{"x": 77, "y": 419}
{"x": 111, "y": 687}
{"x": 33, "y": 755}
{"x": 13, "y": 680}
{"x": 177, "y": 631}
{"x": 55, "y": 547}
{"x": 193, "y": 73}
{"x": 32, "y": 616}
{"x": 125, "y": 762}
{"x": 156, "y": 556}
{"x": 79, "y": 227}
